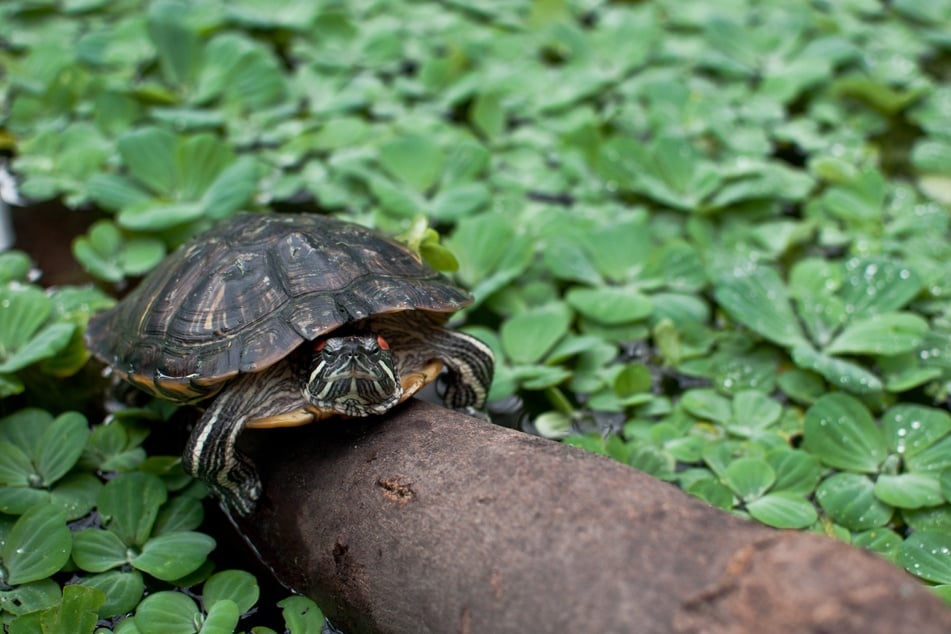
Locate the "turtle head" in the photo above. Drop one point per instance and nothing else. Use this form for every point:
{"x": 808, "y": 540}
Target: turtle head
{"x": 352, "y": 374}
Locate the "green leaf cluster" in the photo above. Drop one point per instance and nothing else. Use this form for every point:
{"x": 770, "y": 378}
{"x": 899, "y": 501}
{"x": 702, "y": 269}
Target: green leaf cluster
{"x": 891, "y": 474}
{"x": 733, "y": 452}
{"x": 142, "y": 532}
{"x": 225, "y": 596}
{"x": 40, "y": 329}
{"x": 38, "y": 455}
{"x": 135, "y": 532}
{"x": 830, "y": 311}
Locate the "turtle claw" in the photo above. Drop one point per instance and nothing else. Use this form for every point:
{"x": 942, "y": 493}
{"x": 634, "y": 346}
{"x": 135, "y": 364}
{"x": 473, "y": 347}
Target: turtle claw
{"x": 240, "y": 498}
{"x": 239, "y": 487}
{"x": 476, "y": 413}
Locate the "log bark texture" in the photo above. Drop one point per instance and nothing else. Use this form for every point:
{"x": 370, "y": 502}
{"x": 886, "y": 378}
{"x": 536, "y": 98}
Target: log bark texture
{"x": 432, "y": 521}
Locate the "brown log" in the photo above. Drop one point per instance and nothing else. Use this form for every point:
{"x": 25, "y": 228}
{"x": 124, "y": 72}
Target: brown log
{"x": 432, "y": 521}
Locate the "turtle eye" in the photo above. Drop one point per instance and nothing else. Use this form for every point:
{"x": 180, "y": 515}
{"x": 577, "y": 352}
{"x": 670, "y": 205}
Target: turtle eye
{"x": 322, "y": 350}
{"x": 380, "y": 341}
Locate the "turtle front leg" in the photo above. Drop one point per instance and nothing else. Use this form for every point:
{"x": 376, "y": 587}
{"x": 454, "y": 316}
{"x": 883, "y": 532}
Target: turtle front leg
{"x": 470, "y": 364}
{"x": 211, "y": 453}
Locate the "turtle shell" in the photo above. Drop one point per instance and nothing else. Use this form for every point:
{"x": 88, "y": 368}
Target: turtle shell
{"x": 245, "y": 294}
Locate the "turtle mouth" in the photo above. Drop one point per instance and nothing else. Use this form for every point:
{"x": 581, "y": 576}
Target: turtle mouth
{"x": 358, "y": 408}
{"x": 354, "y": 397}
{"x": 354, "y": 373}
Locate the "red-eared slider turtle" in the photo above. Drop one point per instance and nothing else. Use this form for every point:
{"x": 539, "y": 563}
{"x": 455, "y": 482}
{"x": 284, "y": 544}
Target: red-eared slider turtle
{"x": 287, "y": 319}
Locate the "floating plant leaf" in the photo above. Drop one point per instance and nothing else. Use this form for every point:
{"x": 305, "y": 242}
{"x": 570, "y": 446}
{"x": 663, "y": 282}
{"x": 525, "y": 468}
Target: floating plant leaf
{"x": 458, "y": 201}
{"x": 491, "y": 252}
{"x": 129, "y": 505}
{"x": 528, "y": 336}
{"x": 16, "y": 468}
{"x": 875, "y": 286}
{"x": 76, "y": 494}
{"x": 796, "y": 471}
{"x": 707, "y": 403}
{"x": 222, "y": 618}
{"x": 861, "y": 200}
{"x": 166, "y": 612}
{"x": 567, "y": 260}
{"x": 813, "y": 282}
{"x": 235, "y": 585}
{"x": 176, "y": 41}
{"x": 910, "y": 429}
{"x": 98, "y": 550}
{"x": 60, "y": 446}
{"x": 670, "y": 170}
{"x": 618, "y": 251}
{"x": 749, "y": 478}
{"x": 123, "y": 590}
{"x": 936, "y": 457}
{"x": 753, "y": 411}
{"x": 849, "y": 499}
{"x": 301, "y": 614}
{"x": 783, "y": 510}
{"x": 243, "y": 73}
{"x": 180, "y": 513}
{"x": 109, "y": 255}
{"x": 149, "y": 153}
{"x": 883, "y": 541}
{"x": 847, "y": 375}
{"x": 634, "y": 379}
{"x": 612, "y": 306}
{"x": 414, "y": 159}
{"x": 927, "y": 555}
{"x": 25, "y": 334}
{"x": 712, "y": 492}
{"x": 841, "y": 432}
{"x": 37, "y": 546}
{"x": 14, "y": 265}
{"x": 935, "y": 518}
{"x": 174, "y": 555}
{"x": 909, "y": 490}
{"x": 173, "y": 180}
{"x": 881, "y": 333}
{"x": 30, "y": 597}
{"x": 488, "y": 114}
{"x": 757, "y": 298}
{"x": 77, "y": 613}
{"x": 160, "y": 216}
{"x": 113, "y": 191}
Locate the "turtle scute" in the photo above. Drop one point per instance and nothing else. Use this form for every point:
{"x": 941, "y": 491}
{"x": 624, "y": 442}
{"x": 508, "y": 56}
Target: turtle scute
{"x": 245, "y": 294}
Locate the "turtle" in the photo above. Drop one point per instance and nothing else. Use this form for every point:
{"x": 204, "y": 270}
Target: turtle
{"x": 278, "y": 319}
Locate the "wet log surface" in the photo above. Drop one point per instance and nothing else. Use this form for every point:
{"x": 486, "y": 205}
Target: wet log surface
{"x": 431, "y": 521}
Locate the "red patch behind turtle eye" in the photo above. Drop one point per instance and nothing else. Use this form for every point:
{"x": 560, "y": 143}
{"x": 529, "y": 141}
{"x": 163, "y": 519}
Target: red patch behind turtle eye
{"x": 382, "y": 342}
{"x": 319, "y": 345}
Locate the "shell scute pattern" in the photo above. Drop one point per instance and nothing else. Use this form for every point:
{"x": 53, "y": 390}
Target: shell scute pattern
{"x": 244, "y": 295}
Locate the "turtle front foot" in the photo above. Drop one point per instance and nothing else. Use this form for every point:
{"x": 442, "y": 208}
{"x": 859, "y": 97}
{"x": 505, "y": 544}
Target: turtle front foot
{"x": 239, "y": 492}
{"x": 236, "y": 482}
{"x": 476, "y": 413}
